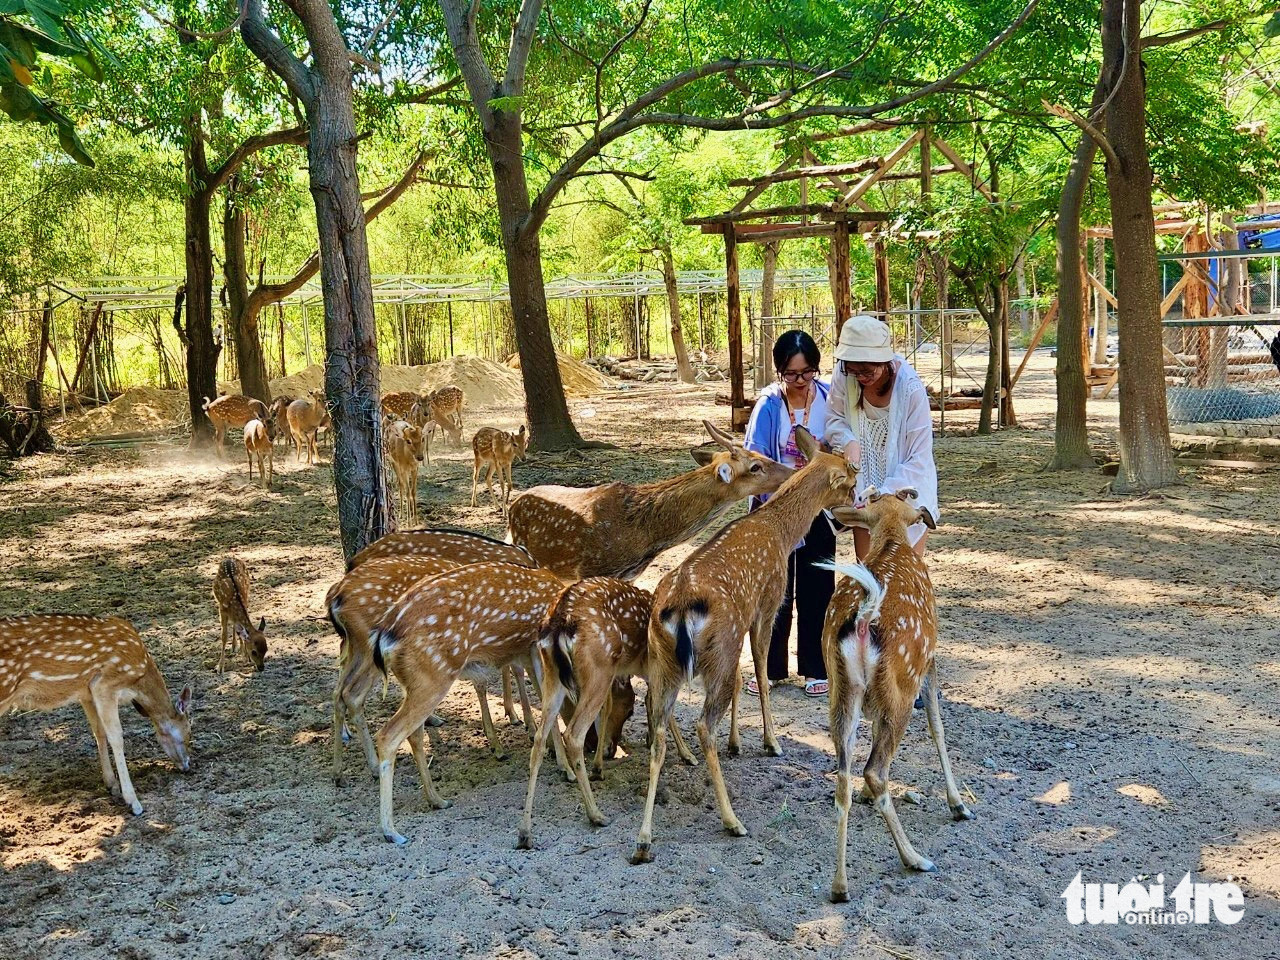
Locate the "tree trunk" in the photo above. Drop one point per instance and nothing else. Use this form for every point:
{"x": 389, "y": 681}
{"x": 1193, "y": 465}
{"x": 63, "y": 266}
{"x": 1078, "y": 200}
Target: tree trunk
{"x": 550, "y": 427}
{"x": 1071, "y": 436}
{"x": 1146, "y": 457}
{"x": 1099, "y": 303}
{"x": 242, "y": 314}
{"x": 202, "y": 351}
{"x": 1024, "y": 313}
{"x": 684, "y": 369}
{"x": 768, "y": 308}
{"x": 1008, "y": 417}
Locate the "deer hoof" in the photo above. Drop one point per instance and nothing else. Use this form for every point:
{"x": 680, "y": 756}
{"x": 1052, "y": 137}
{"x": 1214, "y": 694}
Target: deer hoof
{"x": 399, "y": 839}
{"x": 599, "y": 820}
{"x": 839, "y": 896}
{"x": 921, "y": 865}
{"x": 772, "y": 750}
{"x": 439, "y": 803}
{"x": 961, "y": 812}
{"x": 596, "y": 774}
{"x": 643, "y": 854}
{"x": 435, "y": 720}
{"x": 524, "y": 841}
{"x": 733, "y": 749}
{"x": 136, "y": 807}
{"x": 735, "y": 829}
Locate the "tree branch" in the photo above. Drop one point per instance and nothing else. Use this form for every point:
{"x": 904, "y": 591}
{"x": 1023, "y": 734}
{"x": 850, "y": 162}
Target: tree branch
{"x": 460, "y": 25}
{"x": 187, "y": 34}
{"x": 425, "y": 96}
{"x": 521, "y": 45}
{"x": 271, "y": 50}
{"x": 218, "y": 176}
{"x": 1089, "y": 130}
{"x": 373, "y": 35}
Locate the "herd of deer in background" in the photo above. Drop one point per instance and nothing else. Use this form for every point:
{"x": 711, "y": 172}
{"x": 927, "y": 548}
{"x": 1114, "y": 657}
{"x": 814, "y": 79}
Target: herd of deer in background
{"x": 428, "y": 607}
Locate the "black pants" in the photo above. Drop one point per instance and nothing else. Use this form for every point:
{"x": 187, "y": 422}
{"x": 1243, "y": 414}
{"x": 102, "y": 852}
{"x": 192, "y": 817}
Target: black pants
{"x": 809, "y": 589}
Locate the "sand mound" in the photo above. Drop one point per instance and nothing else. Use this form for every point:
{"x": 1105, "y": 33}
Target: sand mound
{"x": 579, "y": 379}
{"x": 137, "y": 410}
{"x": 483, "y": 382}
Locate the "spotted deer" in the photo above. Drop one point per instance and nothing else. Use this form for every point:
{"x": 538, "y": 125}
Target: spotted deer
{"x": 461, "y": 545}
{"x": 595, "y": 636}
{"x": 232, "y": 410}
{"x": 444, "y": 410}
{"x": 278, "y": 418}
{"x": 731, "y": 584}
{"x": 48, "y": 661}
{"x": 616, "y": 529}
{"x": 404, "y": 444}
{"x": 879, "y": 641}
{"x": 404, "y": 405}
{"x": 495, "y": 450}
{"x": 257, "y": 443}
{"x": 306, "y": 415}
{"x": 231, "y": 593}
{"x": 459, "y": 624}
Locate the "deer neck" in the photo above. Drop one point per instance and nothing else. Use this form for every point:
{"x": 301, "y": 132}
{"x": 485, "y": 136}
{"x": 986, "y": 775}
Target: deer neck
{"x": 792, "y": 509}
{"x": 886, "y": 539}
{"x": 675, "y": 509}
{"x": 152, "y": 697}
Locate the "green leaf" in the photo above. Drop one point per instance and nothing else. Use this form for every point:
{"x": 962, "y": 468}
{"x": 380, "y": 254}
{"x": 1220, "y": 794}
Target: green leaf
{"x": 71, "y": 144}
{"x": 87, "y": 64}
{"x": 1272, "y": 26}
{"x": 507, "y": 104}
{"x": 44, "y": 21}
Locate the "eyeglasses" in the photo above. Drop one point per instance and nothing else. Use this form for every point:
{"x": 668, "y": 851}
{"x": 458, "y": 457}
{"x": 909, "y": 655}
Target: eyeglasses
{"x": 795, "y": 376}
{"x": 861, "y": 369}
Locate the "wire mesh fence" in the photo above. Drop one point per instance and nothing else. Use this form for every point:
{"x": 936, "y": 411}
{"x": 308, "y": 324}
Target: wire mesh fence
{"x": 1222, "y": 376}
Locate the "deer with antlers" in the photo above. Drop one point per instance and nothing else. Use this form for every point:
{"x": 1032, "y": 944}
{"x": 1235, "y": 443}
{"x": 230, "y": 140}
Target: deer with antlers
{"x": 231, "y": 593}
{"x": 879, "y": 641}
{"x": 616, "y": 529}
{"x": 596, "y": 635}
{"x": 496, "y": 450}
{"x": 701, "y": 609}
{"x": 49, "y": 661}
{"x": 460, "y": 624}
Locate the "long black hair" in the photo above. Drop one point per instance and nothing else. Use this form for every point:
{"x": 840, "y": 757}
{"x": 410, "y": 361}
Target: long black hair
{"x": 791, "y": 343}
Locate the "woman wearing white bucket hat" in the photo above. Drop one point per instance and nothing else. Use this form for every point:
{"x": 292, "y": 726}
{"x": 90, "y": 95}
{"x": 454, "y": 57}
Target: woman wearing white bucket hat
{"x": 878, "y": 418}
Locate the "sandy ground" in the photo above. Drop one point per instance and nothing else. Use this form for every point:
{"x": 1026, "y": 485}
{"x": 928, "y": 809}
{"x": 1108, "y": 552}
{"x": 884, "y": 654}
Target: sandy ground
{"x": 1110, "y": 673}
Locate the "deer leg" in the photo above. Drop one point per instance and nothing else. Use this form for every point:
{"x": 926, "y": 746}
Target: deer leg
{"x": 108, "y": 710}
{"x": 589, "y": 706}
{"x": 735, "y": 738}
{"x": 222, "y": 615}
{"x": 682, "y": 748}
{"x": 404, "y": 721}
{"x": 885, "y": 736}
{"x": 488, "y": 480}
{"x": 760, "y": 636}
{"x": 249, "y": 457}
{"x": 846, "y": 713}
{"x": 486, "y": 721}
{"x": 555, "y": 696}
{"x": 659, "y": 715}
{"x": 606, "y": 711}
{"x": 271, "y": 466}
{"x": 433, "y": 798}
{"x": 475, "y": 480}
{"x": 719, "y": 697}
{"x": 339, "y": 712}
{"x": 958, "y": 809}
{"x": 100, "y": 738}
{"x": 526, "y": 708}
{"x": 508, "y": 700}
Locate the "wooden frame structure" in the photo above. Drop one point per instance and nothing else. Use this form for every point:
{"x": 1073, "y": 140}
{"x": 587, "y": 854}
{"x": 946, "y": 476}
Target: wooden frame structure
{"x": 838, "y": 219}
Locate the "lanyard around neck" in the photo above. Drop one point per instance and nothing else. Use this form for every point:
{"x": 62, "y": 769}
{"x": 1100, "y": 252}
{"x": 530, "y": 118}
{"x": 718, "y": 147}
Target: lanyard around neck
{"x": 808, "y": 404}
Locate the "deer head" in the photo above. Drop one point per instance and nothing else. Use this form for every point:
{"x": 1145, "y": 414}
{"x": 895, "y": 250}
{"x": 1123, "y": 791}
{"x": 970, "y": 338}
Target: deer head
{"x": 841, "y": 475}
{"x": 881, "y": 507}
{"x": 255, "y": 641}
{"x": 174, "y": 731}
{"x": 746, "y": 472}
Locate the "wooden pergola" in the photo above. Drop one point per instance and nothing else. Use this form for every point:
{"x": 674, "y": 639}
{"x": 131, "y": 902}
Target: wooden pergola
{"x": 838, "y": 218}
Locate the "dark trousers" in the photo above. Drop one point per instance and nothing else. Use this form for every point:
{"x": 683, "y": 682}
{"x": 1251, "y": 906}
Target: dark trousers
{"x": 809, "y": 589}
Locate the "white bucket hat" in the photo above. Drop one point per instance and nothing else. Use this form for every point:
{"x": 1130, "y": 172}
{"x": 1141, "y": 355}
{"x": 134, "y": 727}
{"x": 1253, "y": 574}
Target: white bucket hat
{"x": 864, "y": 339}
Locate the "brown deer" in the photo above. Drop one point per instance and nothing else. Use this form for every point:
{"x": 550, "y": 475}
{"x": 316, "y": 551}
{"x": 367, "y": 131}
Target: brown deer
{"x": 880, "y": 669}
{"x": 278, "y": 418}
{"x": 616, "y": 529}
{"x": 257, "y": 443}
{"x": 232, "y": 411}
{"x": 444, "y": 410}
{"x": 495, "y": 450}
{"x": 460, "y": 545}
{"x": 404, "y": 405}
{"x": 404, "y": 444}
{"x": 702, "y": 608}
{"x": 231, "y": 593}
{"x": 596, "y": 635}
{"x": 306, "y": 416}
{"x": 457, "y": 624}
{"x": 100, "y": 662}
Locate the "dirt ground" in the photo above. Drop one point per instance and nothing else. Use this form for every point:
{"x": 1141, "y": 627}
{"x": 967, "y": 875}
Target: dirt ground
{"x": 1110, "y": 674}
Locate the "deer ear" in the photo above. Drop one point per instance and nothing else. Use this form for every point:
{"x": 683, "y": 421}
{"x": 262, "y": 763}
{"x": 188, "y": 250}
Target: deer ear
{"x": 907, "y": 493}
{"x": 719, "y": 436}
{"x": 850, "y": 516}
{"x": 926, "y": 518}
{"x": 807, "y": 446}
{"x": 702, "y": 455}
{"x": 241, "y": 632}
{"x": 262, "y": 625}
{"x": 183, "y": 703}
{"x": 725, "y": 472}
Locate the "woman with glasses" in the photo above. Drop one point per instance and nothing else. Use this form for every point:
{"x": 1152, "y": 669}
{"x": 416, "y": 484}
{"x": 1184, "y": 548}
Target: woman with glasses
{"x": 798, "y": 399}
{"x": 878, "y": 418}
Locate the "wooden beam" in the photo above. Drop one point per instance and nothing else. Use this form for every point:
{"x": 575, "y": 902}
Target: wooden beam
{"x": 824, "y": 210}
{"x": 1162, "y": 227}
{"x": 891, "y": 161}
{"x": 768, "y": 232}
{"x": 866, "y": 126}
{"x": 734, "y": 302}
{"x": 84, "y": 351}
{"x": 883, "y": 304}
{"x": 926, "y": 166}
{"x": 1049, "y": 316}
{"x": 1172, "y": 296}
{"x": 799, "y": 173}
{"x": 919, "y": 174}
{"x": 756, "y": 191}
{"x": 843, "y": 306}
{"x": 1102, "y": 289}
{"x": 949, "y": 152}
{"x": 836, "y": 181}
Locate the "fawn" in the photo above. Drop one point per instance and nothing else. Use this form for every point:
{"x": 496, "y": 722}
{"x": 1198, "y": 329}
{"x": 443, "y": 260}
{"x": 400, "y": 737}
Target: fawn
{"x": 49, "y": 661}
{"x": 306, "y": 416}
{"x": 880, "y": 669}
{"x": 496, "y": 449}
{"x": 454, "y": 625}
{"x": 701, "y": 609}
{"x": 233, "y": 411}
{"x": 277, "y": 417}
{"x": 444, "y": 410}
{"x": 231, "y": 592}
{"x": 596, "y": 634}
{"x": 404, "y": 445}
{"x": 257, "y": 443}
{"x": 616, "y": 529}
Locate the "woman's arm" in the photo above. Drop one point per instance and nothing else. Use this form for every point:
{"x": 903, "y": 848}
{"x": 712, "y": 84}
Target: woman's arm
{"x": 915, "y": 467}
{"x": 837, "y": 430}
{"x": 762, "y": 429}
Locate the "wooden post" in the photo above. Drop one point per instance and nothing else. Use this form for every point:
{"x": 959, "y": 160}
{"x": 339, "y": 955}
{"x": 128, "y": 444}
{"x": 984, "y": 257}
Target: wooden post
{"x": 448, "y": 306}
{"x": 882, "y": 280}
{"x": 84, "y": 351}
{"x": 840, "y": 247}
{"x": 926, "y": 165}
{"x": 1195, "y": 296}
{"x": 1100, "y": 303}
{"x": 734, "y": 303}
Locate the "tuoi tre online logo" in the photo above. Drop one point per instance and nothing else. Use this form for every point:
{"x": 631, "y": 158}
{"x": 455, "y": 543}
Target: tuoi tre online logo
{"x": 1139, "y": 904}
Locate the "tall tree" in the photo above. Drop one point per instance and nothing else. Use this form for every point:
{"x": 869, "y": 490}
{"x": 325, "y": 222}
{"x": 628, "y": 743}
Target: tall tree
{"x": 351, "y": 343}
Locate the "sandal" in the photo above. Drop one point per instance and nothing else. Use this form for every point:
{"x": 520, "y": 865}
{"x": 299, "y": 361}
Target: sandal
{"x": 816, "y": 688}
{"x": 753, "y": 688}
